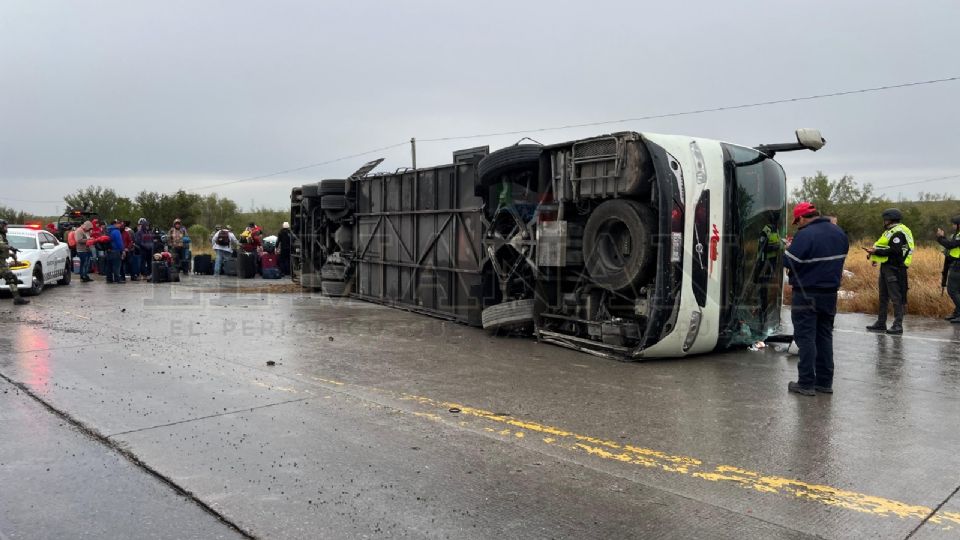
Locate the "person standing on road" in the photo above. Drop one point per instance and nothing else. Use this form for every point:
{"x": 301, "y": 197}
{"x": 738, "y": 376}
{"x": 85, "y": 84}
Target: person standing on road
{"x": 223, "y": 241}
{"x": 6, "y": 250}
{"x": 894, "y": 252}
{"x": 115, "y": 253}
{"x": 82, "y": 236}
{"x": 144, "y": 240}
{"x": 175, "y": 242}
{"x": 951, "y": 247}
{"x": 284, "y": 243}
{"x": 815, "y": 262}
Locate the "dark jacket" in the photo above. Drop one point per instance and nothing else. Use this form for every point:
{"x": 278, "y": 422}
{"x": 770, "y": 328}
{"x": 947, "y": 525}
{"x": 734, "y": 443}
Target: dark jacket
{"x": 816, "y": 255}
{"x": 283, "y": 240}
{"x": 144, "y": 238}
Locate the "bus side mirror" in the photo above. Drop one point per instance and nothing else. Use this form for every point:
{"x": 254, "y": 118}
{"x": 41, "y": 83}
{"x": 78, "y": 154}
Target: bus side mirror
{"x": 810, "y": 139}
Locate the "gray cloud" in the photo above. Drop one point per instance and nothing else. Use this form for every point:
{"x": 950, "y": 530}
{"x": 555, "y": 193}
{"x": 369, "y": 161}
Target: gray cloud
{"x": 163, "y": 95}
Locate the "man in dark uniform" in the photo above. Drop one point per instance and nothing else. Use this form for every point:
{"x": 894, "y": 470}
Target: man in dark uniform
{"x": 894, "y": 252}
{"x": 815, "y": 262}
{"x": 284, "y": 242}
{"x": 951, "y": 247}
{"x": 5, "y": 273}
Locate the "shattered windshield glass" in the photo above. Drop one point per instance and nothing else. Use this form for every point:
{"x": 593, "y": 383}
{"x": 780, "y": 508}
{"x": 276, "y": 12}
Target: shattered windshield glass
{"x": 754, "y": 230}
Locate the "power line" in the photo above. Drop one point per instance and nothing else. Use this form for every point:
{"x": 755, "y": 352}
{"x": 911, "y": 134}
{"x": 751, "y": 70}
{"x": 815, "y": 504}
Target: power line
{"x": 312, "y": 165}
{"x": 590, "y": 124}
{"x": 919, "y": 182}
{"x": 701, "y": 111}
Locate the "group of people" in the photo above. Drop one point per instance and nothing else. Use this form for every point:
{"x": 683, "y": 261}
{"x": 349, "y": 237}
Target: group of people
{"x": 117, "y": 250}
{"x": 814, "y": 260}
{"x": 251, "y": 240}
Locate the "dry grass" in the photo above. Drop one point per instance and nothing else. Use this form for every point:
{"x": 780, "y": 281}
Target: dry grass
{"x": 859, "y": 291}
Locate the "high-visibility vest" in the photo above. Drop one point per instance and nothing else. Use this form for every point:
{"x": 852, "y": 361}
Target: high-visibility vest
{"x": 884, "y": 241}
{"x": 773, "y": 242}
{"x": 955, "y": 252}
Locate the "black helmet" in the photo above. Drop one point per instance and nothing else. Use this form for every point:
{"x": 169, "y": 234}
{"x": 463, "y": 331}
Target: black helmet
{"x": 955, "y": 220}
{"x": 892, "y": 214}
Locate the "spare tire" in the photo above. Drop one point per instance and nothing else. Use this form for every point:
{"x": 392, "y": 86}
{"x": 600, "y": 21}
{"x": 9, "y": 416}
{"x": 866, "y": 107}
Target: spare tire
{"x": 332, "y": 187}
{"x": 618, "y": 245}
{"x": 512, "y": 316}
{"x": 333, "y": 272}
{"x": 522, "y": 157}
{"x": 333, "y": 202}
{"x": 333, "y": 289}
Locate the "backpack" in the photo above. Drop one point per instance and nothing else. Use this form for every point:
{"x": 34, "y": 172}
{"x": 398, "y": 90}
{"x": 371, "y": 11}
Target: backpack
{"x": 223, "y": 238}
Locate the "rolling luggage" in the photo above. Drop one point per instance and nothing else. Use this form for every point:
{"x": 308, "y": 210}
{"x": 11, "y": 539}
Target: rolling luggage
{"x": 203, "y": 264}
{"x": 246, "y": 265}
{"x": 268, "y": 260}
{"x": 271, "y": 273}
{"x": 229, "y": 266}
{"x": 159, "y": 273}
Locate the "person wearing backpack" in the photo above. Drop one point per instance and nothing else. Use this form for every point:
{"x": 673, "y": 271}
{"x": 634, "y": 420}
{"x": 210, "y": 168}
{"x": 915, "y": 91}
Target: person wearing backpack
{"x": 223, "y": 241}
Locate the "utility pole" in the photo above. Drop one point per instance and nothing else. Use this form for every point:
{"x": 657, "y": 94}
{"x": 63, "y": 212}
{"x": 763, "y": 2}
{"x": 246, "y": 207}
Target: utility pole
{"x": 413, "y": 151}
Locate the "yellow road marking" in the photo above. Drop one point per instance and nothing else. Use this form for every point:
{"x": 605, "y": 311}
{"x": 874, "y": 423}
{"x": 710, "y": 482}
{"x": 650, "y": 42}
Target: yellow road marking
{"x": 695, "y": 468}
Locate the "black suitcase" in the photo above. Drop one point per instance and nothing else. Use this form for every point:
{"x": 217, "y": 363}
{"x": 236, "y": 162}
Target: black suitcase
{"x": 203, "y": 264}
{"x": 159, "y": 273}
{"x": 246, "y": 265}
{"x": 229, "y": 266}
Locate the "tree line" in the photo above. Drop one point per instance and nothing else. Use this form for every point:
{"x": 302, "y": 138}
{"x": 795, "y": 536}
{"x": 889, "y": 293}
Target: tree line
{"x": 857, "y": 207}
{"x": 198, "y": 212}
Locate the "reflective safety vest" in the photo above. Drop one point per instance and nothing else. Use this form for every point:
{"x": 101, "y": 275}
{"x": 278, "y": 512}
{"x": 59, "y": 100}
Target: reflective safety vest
{"x": 955, "y": 252}
{"x": 774, "y": 246}
{"x": 884, "y": 241}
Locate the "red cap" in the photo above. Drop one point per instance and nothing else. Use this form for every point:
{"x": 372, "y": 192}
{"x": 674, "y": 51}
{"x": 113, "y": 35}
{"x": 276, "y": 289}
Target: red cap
{"x": 802, "y": 209}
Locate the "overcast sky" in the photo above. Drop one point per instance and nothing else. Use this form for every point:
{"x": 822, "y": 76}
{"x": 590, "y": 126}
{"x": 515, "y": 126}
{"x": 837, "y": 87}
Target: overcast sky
{"x": 163, "y": 95}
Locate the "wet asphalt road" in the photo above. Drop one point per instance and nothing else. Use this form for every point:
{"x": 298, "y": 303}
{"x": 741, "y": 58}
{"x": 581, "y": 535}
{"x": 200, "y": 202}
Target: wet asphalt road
{"x": 375, "y": 422}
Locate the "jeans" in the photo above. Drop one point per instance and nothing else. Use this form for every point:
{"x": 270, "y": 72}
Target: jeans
{"x": 178, "y": 254}
{"x": 113, "y": 267}
{"x": 812, "y": 314}
{"x": 133, "y": 265}
{"x": 84, "y": 264}
{"x": 218, "y": 263}
{"x": 893, "y": 288}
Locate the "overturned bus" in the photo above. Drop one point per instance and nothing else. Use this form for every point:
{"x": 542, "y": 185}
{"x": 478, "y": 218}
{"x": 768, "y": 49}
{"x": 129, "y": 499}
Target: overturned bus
{"x": 625, "y": 245}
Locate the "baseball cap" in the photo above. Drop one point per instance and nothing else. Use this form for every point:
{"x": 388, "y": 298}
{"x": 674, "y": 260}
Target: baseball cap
{"x": 801, "y": 210}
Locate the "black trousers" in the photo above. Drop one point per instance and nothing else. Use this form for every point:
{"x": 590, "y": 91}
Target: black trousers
{"x": 893, "y": 288}
{"x": 953, "y": 287}
{"x": 812, "y": 314}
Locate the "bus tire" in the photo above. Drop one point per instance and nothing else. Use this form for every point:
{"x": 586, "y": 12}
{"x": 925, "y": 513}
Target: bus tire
{"x": 332, "y": 187}
{"x": 522, "y": 157}
{"x": 512, "y": 316}
{"x": 333, "y": 202}
{"x": 618, "y": 246}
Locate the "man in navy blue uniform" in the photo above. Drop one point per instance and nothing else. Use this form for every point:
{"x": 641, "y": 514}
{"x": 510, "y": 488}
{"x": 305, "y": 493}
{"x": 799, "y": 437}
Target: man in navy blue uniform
{"x": 815, "y": 262}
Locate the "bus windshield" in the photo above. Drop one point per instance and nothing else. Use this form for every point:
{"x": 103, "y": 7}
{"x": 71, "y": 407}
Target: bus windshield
{"x": 755, "y": 213}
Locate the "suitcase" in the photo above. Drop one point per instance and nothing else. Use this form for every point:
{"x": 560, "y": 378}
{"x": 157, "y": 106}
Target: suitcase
{"x": 271, "y": 273}
{"x": 268, "y": 260}
{"x": 229, "y": 266}
{"x": 159, "y": 273}
{"x": 174, "y": 274}
{"x": 203, "y": 264}
{"x": 247, "y": 265}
